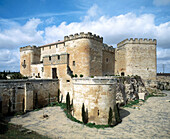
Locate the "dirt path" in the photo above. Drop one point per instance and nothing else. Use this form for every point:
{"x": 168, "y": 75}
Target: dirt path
{"x": 151, "y": 121}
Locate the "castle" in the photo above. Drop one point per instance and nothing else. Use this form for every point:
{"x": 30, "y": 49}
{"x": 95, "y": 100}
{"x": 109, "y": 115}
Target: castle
{"x": 85, "y": 55}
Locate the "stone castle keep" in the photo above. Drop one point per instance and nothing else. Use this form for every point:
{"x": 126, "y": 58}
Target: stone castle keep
{"x": 97, "y": 66}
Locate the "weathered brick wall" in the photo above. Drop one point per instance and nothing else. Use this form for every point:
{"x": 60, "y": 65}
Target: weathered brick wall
{"x": 19, "y": 95}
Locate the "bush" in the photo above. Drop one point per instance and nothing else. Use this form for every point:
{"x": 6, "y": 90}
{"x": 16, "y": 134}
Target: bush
{"x": 110, "y": 116}
{"x": 84, "y": 115}
{"x": 68, "y": 106}
{"x": 75, "y": 75}
{"x": 81, "y": 75}
{"x": 92, "y": 76}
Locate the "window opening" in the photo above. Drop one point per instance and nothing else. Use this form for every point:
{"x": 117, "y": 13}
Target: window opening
{"x": 58, "y": 57}
{"x": 74, "y": 63}
{"x": 122, "y": 74}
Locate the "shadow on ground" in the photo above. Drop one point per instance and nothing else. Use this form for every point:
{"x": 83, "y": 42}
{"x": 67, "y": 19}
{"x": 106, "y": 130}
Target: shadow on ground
{"x": 123, "y": 113}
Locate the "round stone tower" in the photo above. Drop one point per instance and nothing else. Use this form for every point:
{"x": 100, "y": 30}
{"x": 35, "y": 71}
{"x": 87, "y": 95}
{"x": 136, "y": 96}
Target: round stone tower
{"x": 85, "y": 53}
{"x": 98, "y": 96}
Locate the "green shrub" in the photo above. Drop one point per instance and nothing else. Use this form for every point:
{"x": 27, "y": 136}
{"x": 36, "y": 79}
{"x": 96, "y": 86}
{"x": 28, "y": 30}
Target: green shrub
{"x": 110, "y": 116}
{"x": 68, "y": 106}
{"x": 75, "y": 75}
{"x": 81, "y": 75}
{"x": 84, "y": 115}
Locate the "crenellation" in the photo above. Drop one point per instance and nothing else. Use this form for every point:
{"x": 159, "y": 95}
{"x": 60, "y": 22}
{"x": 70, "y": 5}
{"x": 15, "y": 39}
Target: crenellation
{"x": 29, "y": 47}
{"x": 88, "y": 35}
{"x": 108, "y": 48}
{"x": 136, "y": 41}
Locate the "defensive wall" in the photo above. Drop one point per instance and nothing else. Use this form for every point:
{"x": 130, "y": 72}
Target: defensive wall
{"x": 26, "y": 95}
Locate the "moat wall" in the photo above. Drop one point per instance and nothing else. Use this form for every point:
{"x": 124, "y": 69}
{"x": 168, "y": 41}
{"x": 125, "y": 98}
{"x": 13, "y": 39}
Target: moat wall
{"x": 26, "y": 95}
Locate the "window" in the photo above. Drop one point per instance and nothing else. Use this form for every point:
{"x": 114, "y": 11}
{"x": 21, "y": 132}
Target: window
{"x": 56, "y": 46}
{"x": 74, "y": 63}
{"x": 43, "y": 49}
{"x": 107, "y": 60}
{"x": 58, "y": 57}
{"x": 42, "y": 69}
{"x": 24, "y": 65}
{"x": 49, "y": 58}
{"x": 122, "y": 74}
{"x": 49, "y": 47}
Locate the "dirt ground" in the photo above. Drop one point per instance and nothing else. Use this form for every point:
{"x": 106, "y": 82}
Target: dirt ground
{"x": 151, "y": 120}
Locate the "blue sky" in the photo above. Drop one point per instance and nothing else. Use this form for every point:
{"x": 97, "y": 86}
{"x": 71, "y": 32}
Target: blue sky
{"x": 36, "y": 22}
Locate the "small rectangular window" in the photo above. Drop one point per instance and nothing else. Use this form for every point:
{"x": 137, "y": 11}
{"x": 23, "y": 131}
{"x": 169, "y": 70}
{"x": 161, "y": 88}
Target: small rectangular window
{"x": 74, "y": 63}
{"x": 56, "y": 46}
{"x": 49, "y": 58}
{"x": 43, "y": 49}
{"x": 49, "y": 47}
{"x": 107, "y": 60}
{"x": 42, "y": 69}
{"x": 58, "y": 57}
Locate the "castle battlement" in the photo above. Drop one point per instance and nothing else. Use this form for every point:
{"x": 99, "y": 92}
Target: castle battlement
{"x": 29, "y": 47}
{"x": 88, "y": 35}
{"x": 137, "y": 41}
{"x": 108, "y": 48}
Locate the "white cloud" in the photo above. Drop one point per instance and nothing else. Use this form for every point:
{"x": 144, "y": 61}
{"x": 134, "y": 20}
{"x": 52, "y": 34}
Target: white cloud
{"x": 9, "y": 60}
{"x": 161, "y": 2}
{"x": 113, "y": 29}
{"x": 19, "y": 35}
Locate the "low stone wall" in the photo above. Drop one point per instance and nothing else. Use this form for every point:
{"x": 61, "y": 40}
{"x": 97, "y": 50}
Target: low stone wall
{"x": 163, "y": 82}
{"x": 98, "y": 95}
{"x": 25, "y": 95}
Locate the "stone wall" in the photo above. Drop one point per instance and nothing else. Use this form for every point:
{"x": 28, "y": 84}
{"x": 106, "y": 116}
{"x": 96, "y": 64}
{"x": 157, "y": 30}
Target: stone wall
{"x": 98, "y": 95}
{"x": 108, "y": 60}
{"x": 25, "y": 95}
{"x": 140, "y": 58}
{"x": 28, "y": 55}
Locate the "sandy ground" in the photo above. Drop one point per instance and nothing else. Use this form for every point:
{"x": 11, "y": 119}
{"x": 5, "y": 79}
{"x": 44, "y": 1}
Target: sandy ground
{"x": 151, "y": 121}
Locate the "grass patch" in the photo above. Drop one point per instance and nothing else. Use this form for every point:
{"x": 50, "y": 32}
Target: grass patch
{"x": 11, "y": 131}
{"x": 91, "y": 125}
{"x": 130, "y": 104}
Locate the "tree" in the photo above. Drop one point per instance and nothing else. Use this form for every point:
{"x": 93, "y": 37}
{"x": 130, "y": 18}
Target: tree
{"x": 110, "y": 116}
{"x": 84, "y": 114}
{"x": 68, "y": 106}
{"x": 58, "y": 96}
